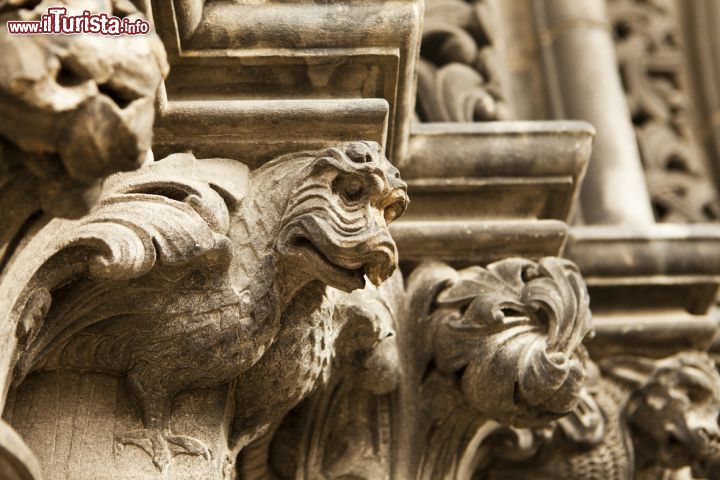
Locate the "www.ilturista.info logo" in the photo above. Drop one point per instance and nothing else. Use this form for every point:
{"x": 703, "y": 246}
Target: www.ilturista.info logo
{"x": 57, "y": 21}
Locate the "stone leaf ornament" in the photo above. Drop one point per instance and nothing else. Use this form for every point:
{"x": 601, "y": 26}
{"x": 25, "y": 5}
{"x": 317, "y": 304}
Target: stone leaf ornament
{"x": 518, "y": 326}
{"x": 195, "y": 273}
{"x": 502, "y": 348}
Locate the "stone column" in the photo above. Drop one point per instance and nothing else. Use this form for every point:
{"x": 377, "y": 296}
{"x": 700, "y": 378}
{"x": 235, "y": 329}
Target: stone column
{"x": 584, "y": 84}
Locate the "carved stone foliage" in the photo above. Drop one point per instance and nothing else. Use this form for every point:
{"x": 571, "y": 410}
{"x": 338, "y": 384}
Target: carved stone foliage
{"x": 501, "y": 345}
{"x": 643, "y": 419}
{"x": 650, "y": 57}
{"x": 458, "y": 79}
{"x": 200, "y": 273}
{"x": 425, "y": 378}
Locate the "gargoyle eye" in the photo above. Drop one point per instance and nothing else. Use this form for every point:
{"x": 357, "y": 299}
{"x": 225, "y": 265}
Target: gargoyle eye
{"x": 351, "y": 189}
{"x": 697, "y": 394}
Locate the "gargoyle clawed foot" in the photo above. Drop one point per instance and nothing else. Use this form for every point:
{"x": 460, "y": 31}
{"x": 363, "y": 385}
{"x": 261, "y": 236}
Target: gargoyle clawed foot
{"x": 162, "y": 446}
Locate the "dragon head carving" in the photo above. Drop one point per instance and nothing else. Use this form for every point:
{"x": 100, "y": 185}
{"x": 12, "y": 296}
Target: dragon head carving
{"x": 334, "y": 227}
{"x": 673, "y": 410}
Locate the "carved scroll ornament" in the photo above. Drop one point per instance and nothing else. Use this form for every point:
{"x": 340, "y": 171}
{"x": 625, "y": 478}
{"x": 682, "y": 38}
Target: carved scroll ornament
{"x": 457, "y": 72}
{"x": 503, "y": 346}
{"x": 195, "y": 273}
{"x": 650, "y": 57}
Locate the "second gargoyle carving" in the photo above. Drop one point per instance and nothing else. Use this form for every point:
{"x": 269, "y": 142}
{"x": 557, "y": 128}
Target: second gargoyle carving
{"x": 642, "y": 419}
{"x": 195, "y": 273}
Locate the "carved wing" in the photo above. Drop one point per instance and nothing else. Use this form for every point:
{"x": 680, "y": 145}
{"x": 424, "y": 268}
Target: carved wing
{"x": 149, "y": 230}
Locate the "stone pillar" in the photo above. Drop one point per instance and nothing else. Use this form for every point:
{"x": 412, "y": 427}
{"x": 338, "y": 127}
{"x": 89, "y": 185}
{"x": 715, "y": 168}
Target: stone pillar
{"x": 74, "y": 421}
{"x": 585, "y": 85}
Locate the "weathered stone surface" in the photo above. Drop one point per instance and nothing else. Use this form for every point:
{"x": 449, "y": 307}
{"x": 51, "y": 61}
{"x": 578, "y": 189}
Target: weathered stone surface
{"x": 244, "y": 308}
{"x": 653, "y": 289}
{"x": 188, "y": 275}
{"x": 487, "y": 191}
{"x": 263, "y": 79}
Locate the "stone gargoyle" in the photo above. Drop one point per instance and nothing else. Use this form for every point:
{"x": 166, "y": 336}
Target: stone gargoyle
{"x": 195, "y": 273}
{"x": 642, "y": 419}
{"x": 352, "y": 410}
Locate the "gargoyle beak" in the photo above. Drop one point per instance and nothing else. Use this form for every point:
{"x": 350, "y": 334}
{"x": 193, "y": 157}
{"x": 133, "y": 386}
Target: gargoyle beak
{"x": 378, "y": 272}
{"x": 383, "y": 258}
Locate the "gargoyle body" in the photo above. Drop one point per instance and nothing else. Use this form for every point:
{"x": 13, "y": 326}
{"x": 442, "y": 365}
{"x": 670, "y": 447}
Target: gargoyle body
{"x": 235, "y": 287}
{"x": 351, "y": 409}
{"x": 650, "y": 417}
{"x": 671, "y": 411}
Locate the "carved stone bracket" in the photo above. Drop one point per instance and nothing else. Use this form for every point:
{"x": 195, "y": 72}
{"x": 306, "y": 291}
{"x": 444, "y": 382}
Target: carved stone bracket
{"x": 187, "y": 275}
{"x": 272, "y": 77}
